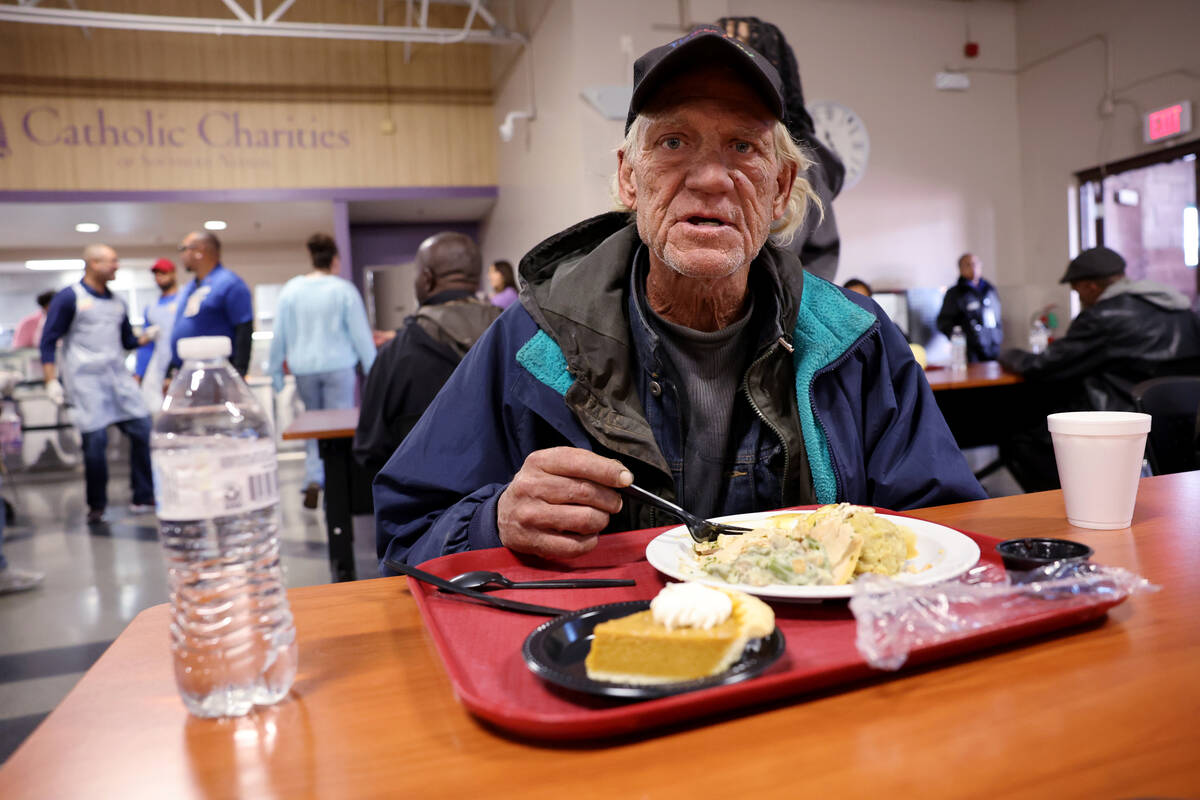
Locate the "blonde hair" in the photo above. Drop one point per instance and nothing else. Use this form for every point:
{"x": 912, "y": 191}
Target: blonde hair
{"x": 783, "y": 230}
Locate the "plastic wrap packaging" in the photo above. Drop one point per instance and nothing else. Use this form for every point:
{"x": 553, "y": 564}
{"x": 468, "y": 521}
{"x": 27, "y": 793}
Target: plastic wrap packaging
{"x": 894, "y": 619}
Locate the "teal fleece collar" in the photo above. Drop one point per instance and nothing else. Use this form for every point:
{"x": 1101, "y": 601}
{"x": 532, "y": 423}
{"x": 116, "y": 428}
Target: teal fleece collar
{"x": 827, "y": 326}
{"x": 543, "y": 359}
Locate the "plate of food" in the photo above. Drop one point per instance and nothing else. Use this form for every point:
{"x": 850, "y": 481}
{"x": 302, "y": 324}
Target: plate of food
{"x": 816, "y": 554}
{"x": 690, "y": 637}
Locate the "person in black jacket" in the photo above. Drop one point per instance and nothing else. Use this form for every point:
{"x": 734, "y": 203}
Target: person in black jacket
{"x": 1128, "y": 332}
{"x": 817, "y": 243}
{"x": 411, "y": 368}
{"x": 973, "y": 305}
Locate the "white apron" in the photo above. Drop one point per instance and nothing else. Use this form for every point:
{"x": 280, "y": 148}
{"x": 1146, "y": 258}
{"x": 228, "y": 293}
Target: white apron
{"x": 98, "y": 387}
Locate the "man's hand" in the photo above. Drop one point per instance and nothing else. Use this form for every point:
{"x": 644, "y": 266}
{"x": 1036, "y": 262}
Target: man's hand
{"x": 149, "y": 335}
{"x": 54, "y": 390}
{"x": 559, "y": 501}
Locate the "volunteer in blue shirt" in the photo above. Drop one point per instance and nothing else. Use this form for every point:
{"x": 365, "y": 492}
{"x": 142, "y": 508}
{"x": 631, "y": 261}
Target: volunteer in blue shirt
{"x": 321, "y": 331}
{"x": 153, "y": 357}
{"x": 215, "y": 303}
{"x": 94, "y": 327}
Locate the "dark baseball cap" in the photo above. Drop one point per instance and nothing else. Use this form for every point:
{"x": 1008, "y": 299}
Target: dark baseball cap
{"x": 705, "y": 46}
{"x": 1099, "y": 262}
{"x": 163, "y": 265}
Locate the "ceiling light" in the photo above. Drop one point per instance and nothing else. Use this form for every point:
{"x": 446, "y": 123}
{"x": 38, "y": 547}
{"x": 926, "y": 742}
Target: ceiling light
{"x": 55, "y": 264}
{"x": 215, "y": 225}
{"x": 87, "y": 227}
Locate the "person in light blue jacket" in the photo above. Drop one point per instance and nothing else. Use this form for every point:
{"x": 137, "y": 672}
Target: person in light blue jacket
{"x": 321, "y": 331}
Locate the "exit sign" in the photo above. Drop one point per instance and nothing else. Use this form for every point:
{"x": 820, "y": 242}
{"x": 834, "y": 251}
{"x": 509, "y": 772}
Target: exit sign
{"x": 1164, "y": 123}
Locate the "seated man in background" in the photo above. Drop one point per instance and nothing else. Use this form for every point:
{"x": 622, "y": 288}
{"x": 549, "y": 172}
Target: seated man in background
{"x": 973, "y": 305}
{"x": 412, "y": 366}
{"x": 681, "y": 350}
{"x": 856, "y": 285}
{"x": 1128, "y": 332}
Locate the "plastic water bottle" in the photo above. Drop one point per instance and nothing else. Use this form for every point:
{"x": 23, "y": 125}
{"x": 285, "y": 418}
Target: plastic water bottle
{"x": 958, "y": 351}
{"x": 1039, "y": 337}
{"x": 217, "y": 491}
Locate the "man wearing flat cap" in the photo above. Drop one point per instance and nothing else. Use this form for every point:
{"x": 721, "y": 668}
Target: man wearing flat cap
{"x": 1128, "y": 331}
{"x": 674, "y": 344}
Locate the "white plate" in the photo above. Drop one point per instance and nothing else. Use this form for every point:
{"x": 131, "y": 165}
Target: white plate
{"x": 942, "y": 553}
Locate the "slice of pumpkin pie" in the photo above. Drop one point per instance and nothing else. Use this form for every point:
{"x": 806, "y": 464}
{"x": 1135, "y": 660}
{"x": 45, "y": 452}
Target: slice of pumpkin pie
{"x": 690, "y": 631}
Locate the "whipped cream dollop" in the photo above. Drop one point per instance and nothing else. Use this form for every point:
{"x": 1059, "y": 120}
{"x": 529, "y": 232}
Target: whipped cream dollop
{"x": 690, "y": 605}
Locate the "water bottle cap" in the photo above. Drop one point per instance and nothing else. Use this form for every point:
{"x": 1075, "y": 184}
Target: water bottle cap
{"x": 205, "y": 347}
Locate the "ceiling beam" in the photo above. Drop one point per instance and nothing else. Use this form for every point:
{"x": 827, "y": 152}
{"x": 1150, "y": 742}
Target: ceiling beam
{"x": 269, "y": 27}
{"x": 237, "y": 10}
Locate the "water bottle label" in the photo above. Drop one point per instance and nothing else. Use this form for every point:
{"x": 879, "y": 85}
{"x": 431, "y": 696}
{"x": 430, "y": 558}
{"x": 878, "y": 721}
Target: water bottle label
{"x": 232, "y": 480}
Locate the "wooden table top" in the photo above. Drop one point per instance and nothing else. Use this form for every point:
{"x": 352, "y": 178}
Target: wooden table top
{"x": 982, "y": 373}
{"x": 326, "y": 423}
{"x": 1111, "y": 710}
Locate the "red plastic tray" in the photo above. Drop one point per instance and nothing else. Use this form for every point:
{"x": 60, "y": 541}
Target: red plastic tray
{"x": 481, "y": 646}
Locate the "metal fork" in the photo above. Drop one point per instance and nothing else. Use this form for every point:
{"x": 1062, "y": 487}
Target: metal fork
{"x": 702, "y": 530}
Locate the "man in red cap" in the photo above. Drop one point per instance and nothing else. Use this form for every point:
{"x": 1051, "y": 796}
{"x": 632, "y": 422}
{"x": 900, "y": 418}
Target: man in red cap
{"x": 153, "y": 357}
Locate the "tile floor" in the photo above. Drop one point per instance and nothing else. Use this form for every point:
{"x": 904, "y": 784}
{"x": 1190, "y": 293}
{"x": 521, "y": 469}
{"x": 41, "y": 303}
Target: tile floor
{"x": 98, "y": 578}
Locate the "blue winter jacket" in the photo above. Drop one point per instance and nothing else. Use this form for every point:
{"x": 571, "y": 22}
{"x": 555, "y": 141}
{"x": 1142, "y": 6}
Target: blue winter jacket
{"x": 847, "y": 414}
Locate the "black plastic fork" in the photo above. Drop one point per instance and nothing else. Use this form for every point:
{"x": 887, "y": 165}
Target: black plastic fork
{"x": 702, "y": 530}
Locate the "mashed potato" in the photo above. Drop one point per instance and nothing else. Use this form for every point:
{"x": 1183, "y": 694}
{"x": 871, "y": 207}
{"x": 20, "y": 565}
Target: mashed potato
{"x": 827, "y": 547}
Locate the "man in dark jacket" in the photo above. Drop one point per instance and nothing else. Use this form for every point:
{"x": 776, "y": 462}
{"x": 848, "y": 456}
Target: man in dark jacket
{"x": 682, "y": 351}
{"x": 411, "y": 368}
{"x": 973, "y": 305}
{"x": 1128, "y": 332}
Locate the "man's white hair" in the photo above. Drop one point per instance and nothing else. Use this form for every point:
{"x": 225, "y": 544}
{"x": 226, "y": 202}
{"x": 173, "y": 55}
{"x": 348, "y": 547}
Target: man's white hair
{"x": 783, "y": 230}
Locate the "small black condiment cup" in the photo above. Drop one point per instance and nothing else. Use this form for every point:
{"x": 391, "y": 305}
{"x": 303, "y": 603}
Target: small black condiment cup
{"x": 1023, "y": 556}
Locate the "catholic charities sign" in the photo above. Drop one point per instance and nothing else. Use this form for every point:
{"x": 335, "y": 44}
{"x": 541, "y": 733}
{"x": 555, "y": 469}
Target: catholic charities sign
{"x": 151, "y": 134}
{"x": 216, "y": 130}
{"x": 82, "y": 144}
{"x": 49, "y": 142}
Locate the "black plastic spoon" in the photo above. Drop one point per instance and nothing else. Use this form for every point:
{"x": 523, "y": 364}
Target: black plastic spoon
{"x": 482, "y": 580}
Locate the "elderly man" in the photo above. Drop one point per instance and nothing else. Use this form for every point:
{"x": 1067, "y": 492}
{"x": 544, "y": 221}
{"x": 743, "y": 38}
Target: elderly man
{"x": 683, "y": 352}
{"x": 973, "y": 305}
{"x": 414, "y": 365}
{"x": 1128, "y": 332}
{"x": 214, "y": 303}
{"x": 94, "y": 326}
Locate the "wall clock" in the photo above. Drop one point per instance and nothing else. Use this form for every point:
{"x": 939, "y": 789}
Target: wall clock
{"x": 843, "y": 132}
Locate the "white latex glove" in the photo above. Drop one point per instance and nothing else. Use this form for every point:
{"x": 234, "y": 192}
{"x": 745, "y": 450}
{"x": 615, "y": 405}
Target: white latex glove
{"x": 54, "y": 389}
{"x": 151, "y": 333}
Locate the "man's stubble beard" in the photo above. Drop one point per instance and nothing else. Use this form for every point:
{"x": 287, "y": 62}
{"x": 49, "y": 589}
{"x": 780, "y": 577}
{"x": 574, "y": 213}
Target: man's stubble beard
{"x": 677, "y": 263}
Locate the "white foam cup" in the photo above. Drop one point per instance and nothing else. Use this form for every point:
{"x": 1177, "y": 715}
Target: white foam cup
{"x": 1099, "y": 456}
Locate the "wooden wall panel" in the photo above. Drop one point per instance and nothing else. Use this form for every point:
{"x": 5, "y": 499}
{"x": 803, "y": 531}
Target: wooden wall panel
{"x": 56, "y": 143}
{"x": 56, "y": 83}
